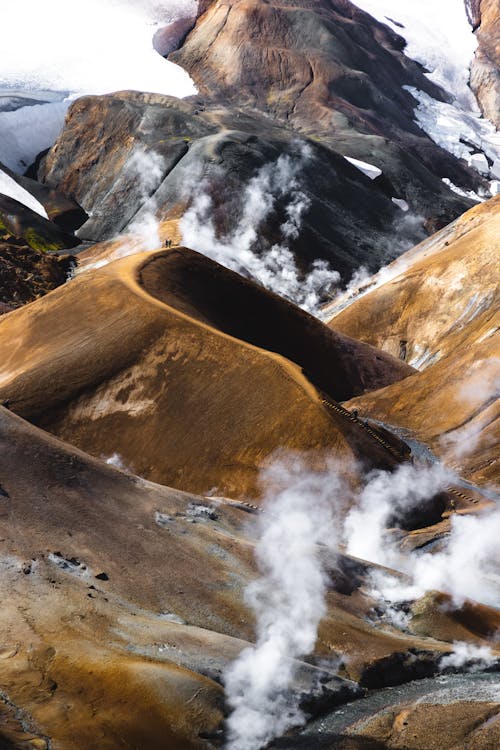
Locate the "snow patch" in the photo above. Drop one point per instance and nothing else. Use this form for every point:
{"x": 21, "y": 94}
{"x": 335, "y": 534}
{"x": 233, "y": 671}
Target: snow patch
{"x": 438, "y": 36}
{"x": 370, "y": 170}
{"x": 10, "y": 187}
{"x": 400, "y": 203}
{"x": 244, "y": 250}
{"x": 464, "y": 193}
{"x": 463, "y": 133}
{"x": 94, "y": 47}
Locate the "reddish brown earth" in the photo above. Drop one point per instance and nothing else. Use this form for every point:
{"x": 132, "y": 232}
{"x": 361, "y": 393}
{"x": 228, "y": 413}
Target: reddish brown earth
{"x": 326, "y": 69}
{"x": 27, "y": 274}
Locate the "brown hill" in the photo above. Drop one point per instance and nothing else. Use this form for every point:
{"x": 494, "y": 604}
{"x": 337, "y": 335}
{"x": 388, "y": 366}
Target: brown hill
{"x": 440, "y": 309}
{"x": 185, "y": 370}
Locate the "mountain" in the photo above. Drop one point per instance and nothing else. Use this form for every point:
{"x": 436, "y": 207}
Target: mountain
{"x": 123, "y": 606}
{"x": 200, "y": 373}
{"x": 437, "y": 307}
{"x": 485, "y": 76}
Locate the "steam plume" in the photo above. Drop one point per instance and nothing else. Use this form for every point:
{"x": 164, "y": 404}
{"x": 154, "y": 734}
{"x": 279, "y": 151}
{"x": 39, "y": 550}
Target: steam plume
{"x": 244, "y": 249}
{"x": 148, "y": 167}
{"x": 288, "y": 601}
{"x": 468, "y": 565}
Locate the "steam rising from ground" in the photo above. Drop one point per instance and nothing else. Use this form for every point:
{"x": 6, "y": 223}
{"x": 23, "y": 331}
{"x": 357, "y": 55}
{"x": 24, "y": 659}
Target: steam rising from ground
{"x": 288, "y": 601}
{"x": 148, "y": 167}
{"x": 298, "y": 537}
{"x": 245, "y": 250}
{"x": 468, "y": 565}
{"x": 408, "y": 231}
{"x": 468, "y": 656}
{"x": 386, "y": 496}
{"x": 480, "y": 391}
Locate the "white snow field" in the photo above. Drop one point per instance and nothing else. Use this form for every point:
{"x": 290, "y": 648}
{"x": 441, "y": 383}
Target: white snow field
{"x": 76, "y": 48}
{"x": 439, "y": 36}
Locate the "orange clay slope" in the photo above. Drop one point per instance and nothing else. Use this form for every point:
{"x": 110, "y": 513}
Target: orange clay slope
{"x": 185, "y": 370}
{"x": 441, "y": 308}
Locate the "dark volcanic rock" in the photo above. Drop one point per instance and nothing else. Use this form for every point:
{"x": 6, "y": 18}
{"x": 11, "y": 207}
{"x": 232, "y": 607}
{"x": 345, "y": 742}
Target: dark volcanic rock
{"x": 62, "y": 210}
{"x": 26, "y": 274}
{"x": 330, "y": 70}
{"x": 21, "y": 222}
{"x": 127, "y": 155}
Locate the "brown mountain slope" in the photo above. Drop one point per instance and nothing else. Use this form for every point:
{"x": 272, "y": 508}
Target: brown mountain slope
{"x": 442, "y": 311}
{"x": 123, "y": 360}
{"x": 122, "y": 604}
{"x": 328, "y": 69}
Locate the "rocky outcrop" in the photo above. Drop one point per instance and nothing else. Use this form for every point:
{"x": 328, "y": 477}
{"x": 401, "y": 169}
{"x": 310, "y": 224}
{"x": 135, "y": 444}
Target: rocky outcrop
{"x": 61, "y": 209}
{"x": 439, "y": 309}
{"x": 26, "y": 274}
{"x": 20, "y": 222}
{"x": 329, "y": 70}
{"x": 485, "y": 70}
{"x": 166, "y": 153}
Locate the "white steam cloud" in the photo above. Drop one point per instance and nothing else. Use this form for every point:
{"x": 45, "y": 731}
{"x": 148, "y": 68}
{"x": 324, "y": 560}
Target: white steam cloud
{"x": 384, "y": 496}
{"x": 407, "y": 231}
{"x": 298, "y": 537}
{"x": 467, "y": 566}
{"x": 288, "y": 601}
{"x": 148, "y": 167}
{"x": 480, "y": 391}
{"x": 244, "y": 249}
{"x": 468, "y": 656}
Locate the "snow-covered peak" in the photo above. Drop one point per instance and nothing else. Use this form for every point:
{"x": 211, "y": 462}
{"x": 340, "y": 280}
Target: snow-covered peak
{"x": 438, "y": 35}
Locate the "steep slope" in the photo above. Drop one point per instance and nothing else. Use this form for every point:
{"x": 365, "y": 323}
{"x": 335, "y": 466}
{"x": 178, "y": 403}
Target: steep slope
{"x": 484, "y": 16}
{"x": 329, "y": 70}
{"x": 440, "y": 309}
{"x": 143, "y": 358}
{"x": 167, "y": 155}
